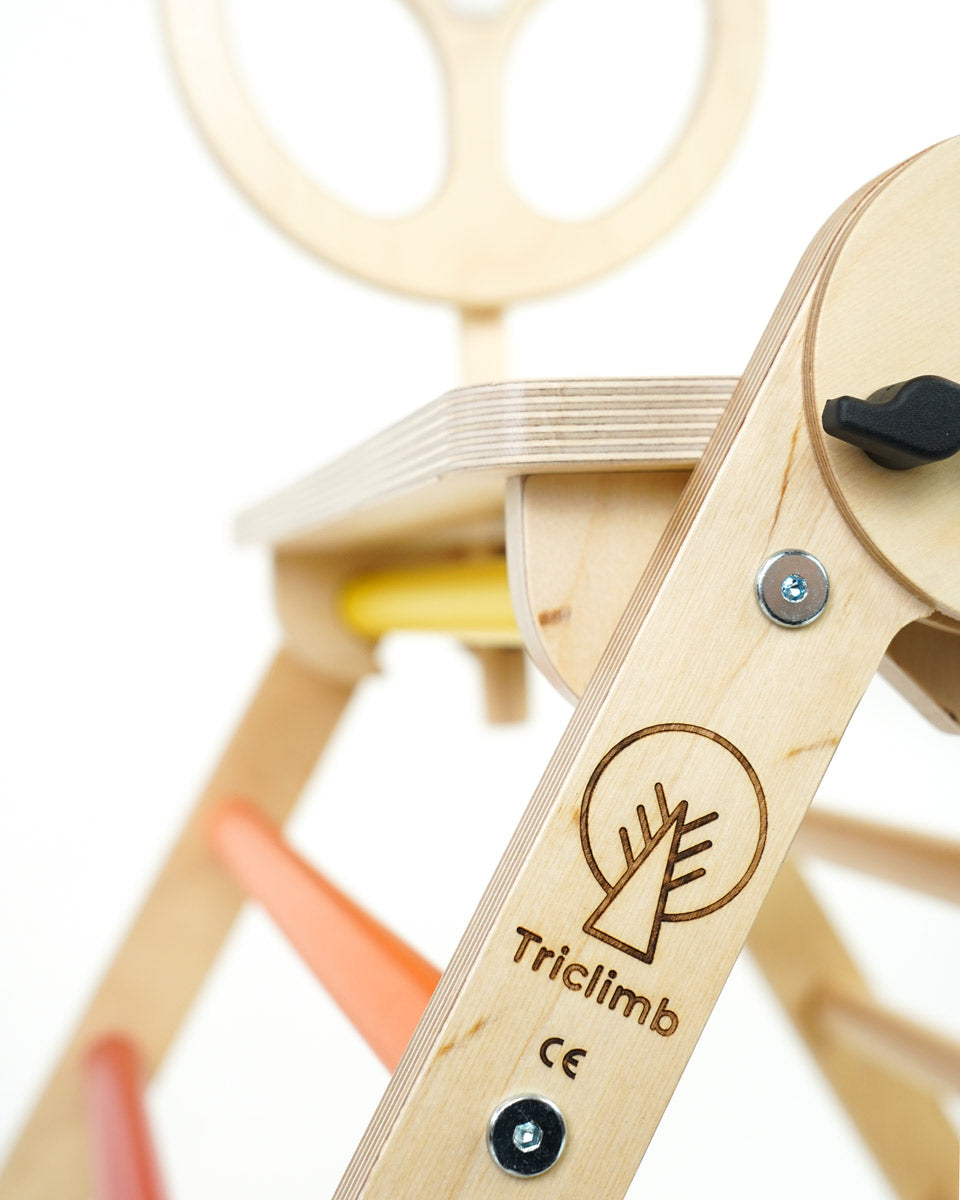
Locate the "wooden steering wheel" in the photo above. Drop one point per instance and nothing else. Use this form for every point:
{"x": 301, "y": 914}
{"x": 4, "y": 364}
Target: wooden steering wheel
{"x": 477, "y": 244}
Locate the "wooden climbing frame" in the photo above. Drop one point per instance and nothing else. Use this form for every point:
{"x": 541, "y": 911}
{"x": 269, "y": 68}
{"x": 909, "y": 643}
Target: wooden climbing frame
{"x": 578, "y": 520}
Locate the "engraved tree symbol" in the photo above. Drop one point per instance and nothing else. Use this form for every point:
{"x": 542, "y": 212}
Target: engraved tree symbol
{"x": 642, "y": 913}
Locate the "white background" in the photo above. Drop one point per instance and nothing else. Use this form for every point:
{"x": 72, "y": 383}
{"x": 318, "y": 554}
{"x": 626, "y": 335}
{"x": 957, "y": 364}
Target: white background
{"x": 168, "y": 359}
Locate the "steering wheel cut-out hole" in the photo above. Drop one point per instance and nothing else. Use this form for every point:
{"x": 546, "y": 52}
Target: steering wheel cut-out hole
{"x": 313, "y": 72}
{"x": 478, "y": 8}
{"x": 597, "y": 93}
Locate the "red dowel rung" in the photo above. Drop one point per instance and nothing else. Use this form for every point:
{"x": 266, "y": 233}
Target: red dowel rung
{"x": 379, "y": 982}
{"x": 124, "y": 1162}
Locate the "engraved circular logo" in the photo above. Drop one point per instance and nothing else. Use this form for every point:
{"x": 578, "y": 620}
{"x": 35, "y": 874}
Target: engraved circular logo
{"x": 673, "y": 824}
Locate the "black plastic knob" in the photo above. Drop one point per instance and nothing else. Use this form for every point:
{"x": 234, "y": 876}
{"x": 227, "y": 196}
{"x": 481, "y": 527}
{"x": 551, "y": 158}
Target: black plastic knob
{"x": 901, "y": 426}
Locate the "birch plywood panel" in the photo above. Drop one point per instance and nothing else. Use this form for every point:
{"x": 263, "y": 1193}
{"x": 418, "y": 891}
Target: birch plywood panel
{"x": 446, "y": 464}
{"x": 888, "y": 310}
{"x": 757, "y": 488}
{"x": 241, "y": 348}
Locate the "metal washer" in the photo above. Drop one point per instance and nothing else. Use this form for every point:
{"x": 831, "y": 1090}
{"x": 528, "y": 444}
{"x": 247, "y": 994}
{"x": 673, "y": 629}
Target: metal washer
{"x": 775, "y": 574}
{"x": 545, "y": 1115}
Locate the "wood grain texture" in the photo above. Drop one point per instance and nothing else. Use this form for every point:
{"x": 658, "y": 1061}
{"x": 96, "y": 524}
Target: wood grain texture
{"x": 577, "y": 543}
{"x": 576, "y": 546}
{"x": 698, "y": 656}
{"x": 478, "y": 244}
{"x": 801, "y": 956}
{"x": 582, "y": 537}
{"x": 166, "y": 954}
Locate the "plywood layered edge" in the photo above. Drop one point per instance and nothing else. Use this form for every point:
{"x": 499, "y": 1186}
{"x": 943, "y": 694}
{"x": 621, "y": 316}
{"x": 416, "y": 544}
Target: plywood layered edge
{"x": 441, "y": 472}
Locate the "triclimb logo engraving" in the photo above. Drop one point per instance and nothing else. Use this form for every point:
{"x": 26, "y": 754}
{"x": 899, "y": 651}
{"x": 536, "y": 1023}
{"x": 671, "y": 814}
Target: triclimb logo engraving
{"x": 661, "y": 850}
{"x": 646, "y": 887}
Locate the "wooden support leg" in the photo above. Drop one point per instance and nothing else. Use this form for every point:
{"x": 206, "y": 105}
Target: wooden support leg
{"x": 904, "y": 1126}
{"x": 908, "y": 1048}
{"x": 164, "y": 959}
{"x": 504, "y": 683}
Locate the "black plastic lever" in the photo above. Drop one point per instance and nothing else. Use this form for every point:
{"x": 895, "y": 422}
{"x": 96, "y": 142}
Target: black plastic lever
{"x": 900, "y": 426}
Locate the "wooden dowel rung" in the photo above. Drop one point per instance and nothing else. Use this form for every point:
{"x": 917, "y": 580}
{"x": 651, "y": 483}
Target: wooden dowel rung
{"x": 901, "y": 1044}
{"x": 926, "y": 864}
{"x": 901, "y": 1121}
{"x": 124, "y": 1162}
{"x": 379, "y": 982}
{"x": 469, "y": 598}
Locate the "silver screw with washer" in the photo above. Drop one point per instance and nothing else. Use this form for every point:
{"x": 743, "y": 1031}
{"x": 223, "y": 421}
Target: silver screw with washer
{"x": 526, "y": 1135}
{"x": 792, "y": 587}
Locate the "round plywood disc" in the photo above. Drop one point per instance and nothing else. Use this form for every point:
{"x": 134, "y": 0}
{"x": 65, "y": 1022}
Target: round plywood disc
{"x": 888, "y": 309}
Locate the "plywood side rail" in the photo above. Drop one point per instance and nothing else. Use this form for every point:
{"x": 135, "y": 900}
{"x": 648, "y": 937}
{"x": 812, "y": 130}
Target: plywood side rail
{"x": 877, "y": 1032}
{"x": 918, "y": 861}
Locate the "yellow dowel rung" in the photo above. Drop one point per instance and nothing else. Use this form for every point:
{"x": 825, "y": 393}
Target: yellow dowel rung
{"x": 468, "y": 598}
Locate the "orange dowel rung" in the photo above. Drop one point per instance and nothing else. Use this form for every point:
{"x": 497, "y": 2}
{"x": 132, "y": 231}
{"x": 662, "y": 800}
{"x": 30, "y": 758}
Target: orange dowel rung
{"x": 124, "y": 1163}
{"x": 380, "y": 983}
